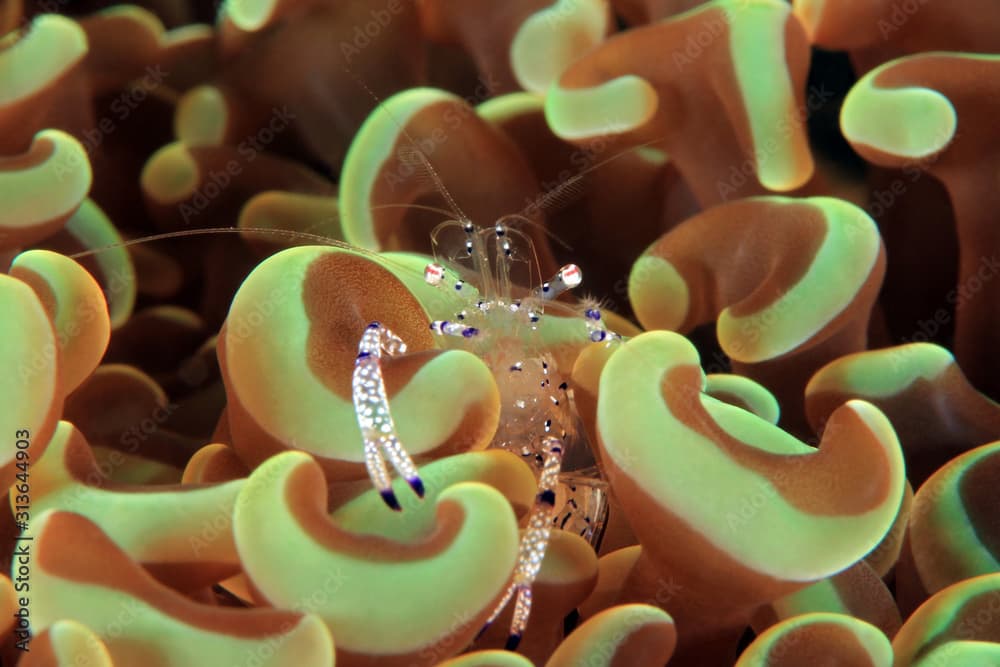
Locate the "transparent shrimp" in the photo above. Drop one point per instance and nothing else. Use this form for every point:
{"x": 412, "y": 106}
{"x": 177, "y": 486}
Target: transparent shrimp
{"x": 537, "y": 420}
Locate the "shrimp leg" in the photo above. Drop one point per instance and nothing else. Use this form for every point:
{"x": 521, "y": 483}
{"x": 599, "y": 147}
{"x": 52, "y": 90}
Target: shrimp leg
{"x": 371, "y": 404}
{"x": 534, "y": 543}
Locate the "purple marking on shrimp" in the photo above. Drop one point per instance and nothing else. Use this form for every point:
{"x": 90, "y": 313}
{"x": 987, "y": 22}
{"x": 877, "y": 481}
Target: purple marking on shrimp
{"x": 390, "y": 499}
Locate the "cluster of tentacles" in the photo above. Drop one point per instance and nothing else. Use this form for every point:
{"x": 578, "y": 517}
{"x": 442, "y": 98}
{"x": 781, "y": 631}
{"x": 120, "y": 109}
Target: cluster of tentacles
{"x": 785, "y": 209}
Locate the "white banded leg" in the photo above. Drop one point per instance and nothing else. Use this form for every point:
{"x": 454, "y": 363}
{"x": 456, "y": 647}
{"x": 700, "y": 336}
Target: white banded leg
{"x": 533, "y": 545}
{"x": 371, "y": 405}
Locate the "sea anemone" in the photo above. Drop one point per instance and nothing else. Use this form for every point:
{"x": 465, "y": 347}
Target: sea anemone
{"x": 254, "y": 252}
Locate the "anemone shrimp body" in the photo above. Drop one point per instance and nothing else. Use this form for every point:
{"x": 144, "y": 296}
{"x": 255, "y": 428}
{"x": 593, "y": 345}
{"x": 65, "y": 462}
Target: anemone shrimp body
{"x": 532, "y": 405}
{"x": 500, "y": 323}
{"x": 536, "y": 413}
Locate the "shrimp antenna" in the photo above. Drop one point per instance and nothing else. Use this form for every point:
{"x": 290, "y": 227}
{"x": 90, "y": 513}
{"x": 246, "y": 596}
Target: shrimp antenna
{"x": 424, "y": 161}
{"x": 420, "y": 207}
{"x": 252, "y": 232}
{"x": 549, "y": 199}
{"x": 480, "y": 263}
{"x": 288, "y": 233}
